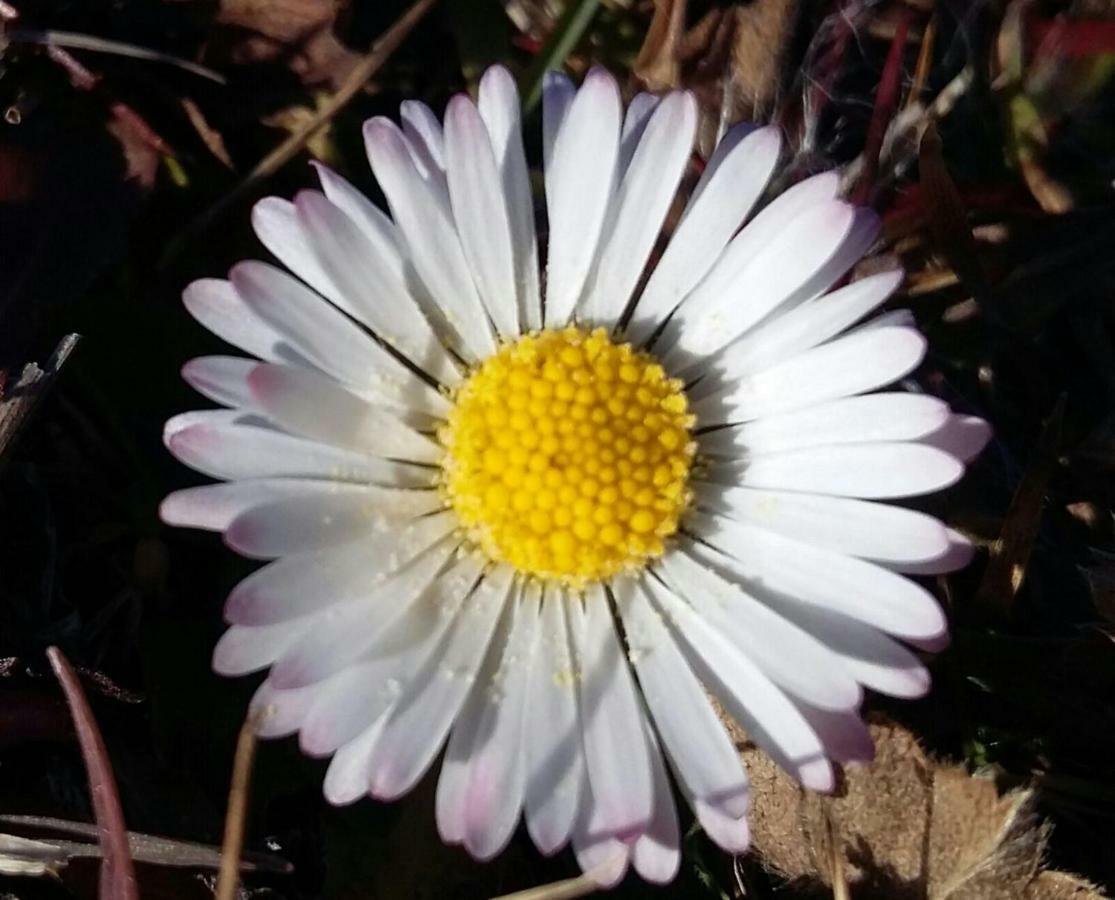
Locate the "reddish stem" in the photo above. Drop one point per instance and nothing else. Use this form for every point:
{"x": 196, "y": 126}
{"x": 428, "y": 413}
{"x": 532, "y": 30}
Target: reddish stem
{"x": 886, "y": 102}
{"x": 118, "y": 880}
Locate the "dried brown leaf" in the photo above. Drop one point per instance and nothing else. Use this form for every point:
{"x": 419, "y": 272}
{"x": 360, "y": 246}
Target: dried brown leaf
{"x": 659, "y": 59}
{"x": 981, "y": 845}
{"x": 732, "y": 59}
{"x": 906, "y": 827}
{"x": 141, "y": 159}
{"x": 1061, "y": 886}
{"x": 285, "y": 20}
{"x": 299, "y": 33}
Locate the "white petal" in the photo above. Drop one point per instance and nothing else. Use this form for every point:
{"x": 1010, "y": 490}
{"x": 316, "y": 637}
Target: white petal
{"x": 731, "y": 183}
{"x": 369, "y": 218}
{"x": 844, "y": 735}
{"x": 767, "y": 715}
{"x": 493, "y": 755}
{"x": 276, "y": 225}
{"x": 727, "y": 829}
{"x": 425, "y": 220}
{"x": 635, "y": 119}
{"x": 480, "y": 211}
{"x": 961, "y": 436}
{"x": 330, "y": 340}
{"x": 558, "y": 93}
{"x": 800, "y": 329}
{"x": 877, "y": 471}
{"x": 618, "y": 769}
{"x": 851, "y": 249}
{"x": 425, "y": 139}
{"x": 369, "y": 285}
{"x": 242, "y": 650}
{"x": 849, "y": 420}
{"x": 770, "y": 563}
{"x": 640, "y": 206}
{"x": 217, "y": 306}
{"x": 344, "y": 632}
{"x": 579, "y": 184}
{"x": 375, "y": 225}
{"x": 346, "y": 779}
{"x": 277, "y": 713}
{"x": 223, "y": 379}
{"x": 211, "y": 418}
{"x": 426, "y": 710}
{"x": 732, "y": 835}
{"x": 498, "y": 102}
{"x": 315, "y": 407}
{"x": 783, "y": 266}
{"x": 232, "y": 450}
{"x": 792, "y": 658}
{"x": 335, "y": 514}
{"x": 602, "y": 856}
{"x": 958, "y": 555}
{"x": 849, "y": 365}
{"x": 725, "y": 297}
{"x": 367, "y": 689}
{"x": 871, "y": 657}
{"x": 308, "y": 581}
{"x": 552, "y": 732}
{"x": 214, "y": 506}
{"x": 874, "y": 531}
{"x": 689, "y": 728}
{"x": 656, "y": 853}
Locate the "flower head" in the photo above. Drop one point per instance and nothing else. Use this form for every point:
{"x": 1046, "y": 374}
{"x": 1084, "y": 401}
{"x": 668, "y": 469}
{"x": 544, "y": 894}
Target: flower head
{"x": 540, "y": 523}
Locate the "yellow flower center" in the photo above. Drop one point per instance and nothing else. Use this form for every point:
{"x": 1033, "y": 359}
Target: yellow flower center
{"x": 568, "y": 455}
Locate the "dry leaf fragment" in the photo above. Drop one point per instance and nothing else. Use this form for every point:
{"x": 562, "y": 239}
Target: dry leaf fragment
{"x": 908, "y": 828}
{"x": 1061, "y": 886}
{"x": 659, "y": 57}
{"x": 732, "y": 59}
{"x": 298, "y": 32}
{"x": 981, "y": 845}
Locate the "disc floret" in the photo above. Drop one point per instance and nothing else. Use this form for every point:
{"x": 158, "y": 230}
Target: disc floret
{"x": 568, "y": 455}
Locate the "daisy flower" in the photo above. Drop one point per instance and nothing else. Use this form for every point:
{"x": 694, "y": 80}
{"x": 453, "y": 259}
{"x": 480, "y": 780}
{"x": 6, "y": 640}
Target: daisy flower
{"x": 537, "y": 513}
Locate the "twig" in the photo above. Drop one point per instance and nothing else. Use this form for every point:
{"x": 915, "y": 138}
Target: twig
{"x": 228, "y": 878}
{"x": 1010, "y": 553}
{"x": 381, "y": 51}
{"x": 118, "y": 880}
{"x": 145, "y": 848}
{"x": 569, "y": 889}
{"x": 925, "y": 61}
{"x": 118, "y": 48}
{"x": 208, "y": 134}
{"x": 836, "y": 858}
{"x": 18, "y": 403}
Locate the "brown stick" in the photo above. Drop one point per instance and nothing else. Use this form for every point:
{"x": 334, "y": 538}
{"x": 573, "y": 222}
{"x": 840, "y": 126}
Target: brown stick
{"x": 118, "y": 879}
{"x": 228, "y": 878}
{"x": 381, "y": 51}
